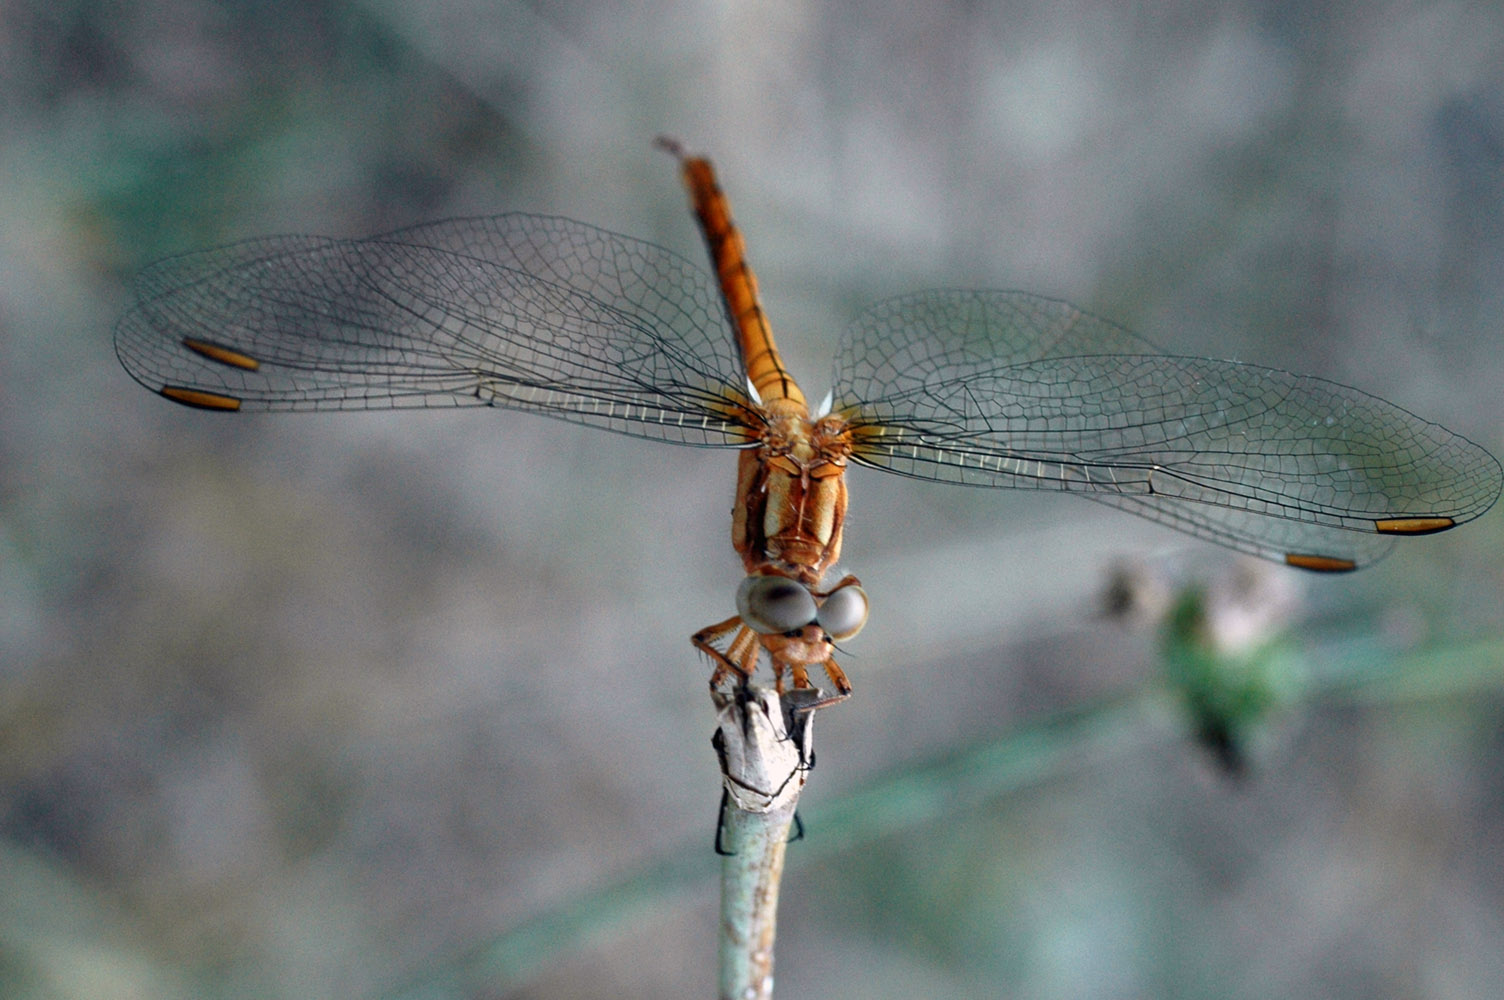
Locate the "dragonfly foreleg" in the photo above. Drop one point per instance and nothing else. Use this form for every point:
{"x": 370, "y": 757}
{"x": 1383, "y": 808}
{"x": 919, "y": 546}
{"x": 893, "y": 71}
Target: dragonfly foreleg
{"x": 838, "y": 678}
{"x": 740, "y": 656}
{"x": 800, "y": 672}
{"x": 795, "y": 652}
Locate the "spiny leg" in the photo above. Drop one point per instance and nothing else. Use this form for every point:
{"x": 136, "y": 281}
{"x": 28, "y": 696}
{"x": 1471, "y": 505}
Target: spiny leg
{"x": 740, "y": 656}
{"x": 800, "y": 673}
{"x": 838, "y": 678}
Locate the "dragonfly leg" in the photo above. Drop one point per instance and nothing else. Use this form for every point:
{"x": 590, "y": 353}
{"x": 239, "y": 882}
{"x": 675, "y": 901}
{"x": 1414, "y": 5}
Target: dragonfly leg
{"x": 838, "y": 678}
{"x": 800, "y": 673}
{"x": 740, "y": 656}
{"x": 793, "y": 653}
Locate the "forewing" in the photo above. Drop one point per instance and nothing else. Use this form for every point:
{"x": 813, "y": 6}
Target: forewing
{"x": 1004, "y": 389}
{"x": 520, "y": 311}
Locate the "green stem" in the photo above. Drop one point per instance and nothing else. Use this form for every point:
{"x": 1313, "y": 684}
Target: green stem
{"x": 751, "y": 872}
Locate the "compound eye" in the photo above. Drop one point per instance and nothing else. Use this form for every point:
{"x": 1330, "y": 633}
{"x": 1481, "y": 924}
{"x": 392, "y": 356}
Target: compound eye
{"x": 773, "y": 605}
{"x": 844, "y": 612}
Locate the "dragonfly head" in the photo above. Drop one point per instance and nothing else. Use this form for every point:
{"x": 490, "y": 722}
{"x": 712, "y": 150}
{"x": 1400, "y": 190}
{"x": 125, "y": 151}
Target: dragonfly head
{"x": 843, "y": 612}
{"x": 776, "y": 605}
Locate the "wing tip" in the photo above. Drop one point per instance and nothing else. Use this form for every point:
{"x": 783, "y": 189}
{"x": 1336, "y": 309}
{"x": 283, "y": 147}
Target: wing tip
{"x": 1413, "y": 525}
{"x": 1320, "y": 563}
{"x": 222, "y": 354}
{"x": 199, "y": 399}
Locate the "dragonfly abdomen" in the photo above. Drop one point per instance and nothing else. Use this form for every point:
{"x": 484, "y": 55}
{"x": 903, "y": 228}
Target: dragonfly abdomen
{"x": 728, "y": 250}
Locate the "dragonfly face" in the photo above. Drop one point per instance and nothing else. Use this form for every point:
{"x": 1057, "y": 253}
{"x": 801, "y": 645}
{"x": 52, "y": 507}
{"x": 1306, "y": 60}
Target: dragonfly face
{"x": 977, "y": 388}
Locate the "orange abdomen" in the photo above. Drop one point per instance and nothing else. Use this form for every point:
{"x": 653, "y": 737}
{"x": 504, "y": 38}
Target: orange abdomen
{"x": 738, "y": 285}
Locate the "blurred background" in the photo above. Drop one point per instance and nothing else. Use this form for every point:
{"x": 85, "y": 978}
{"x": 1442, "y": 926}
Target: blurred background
{"x": 320, "y": 705}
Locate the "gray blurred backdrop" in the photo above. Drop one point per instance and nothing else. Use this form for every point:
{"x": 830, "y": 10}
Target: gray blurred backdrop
{"x": 302, "y": 706}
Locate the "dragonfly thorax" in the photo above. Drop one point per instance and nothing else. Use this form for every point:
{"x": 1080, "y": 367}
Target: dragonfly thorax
{"x": 791, "y": 494}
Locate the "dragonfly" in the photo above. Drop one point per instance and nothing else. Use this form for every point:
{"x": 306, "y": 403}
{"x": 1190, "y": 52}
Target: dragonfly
{"x": 999, "y": 389}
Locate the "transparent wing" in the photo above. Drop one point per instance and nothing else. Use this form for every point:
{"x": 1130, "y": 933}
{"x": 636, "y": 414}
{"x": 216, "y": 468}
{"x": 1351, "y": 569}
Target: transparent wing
{"x": 520, "y": 311}
{"x": 1005, "y": 389}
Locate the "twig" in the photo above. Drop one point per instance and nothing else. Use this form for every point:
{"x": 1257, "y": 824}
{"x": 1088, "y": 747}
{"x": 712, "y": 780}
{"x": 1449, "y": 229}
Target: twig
{"x": 765, "y": 746}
